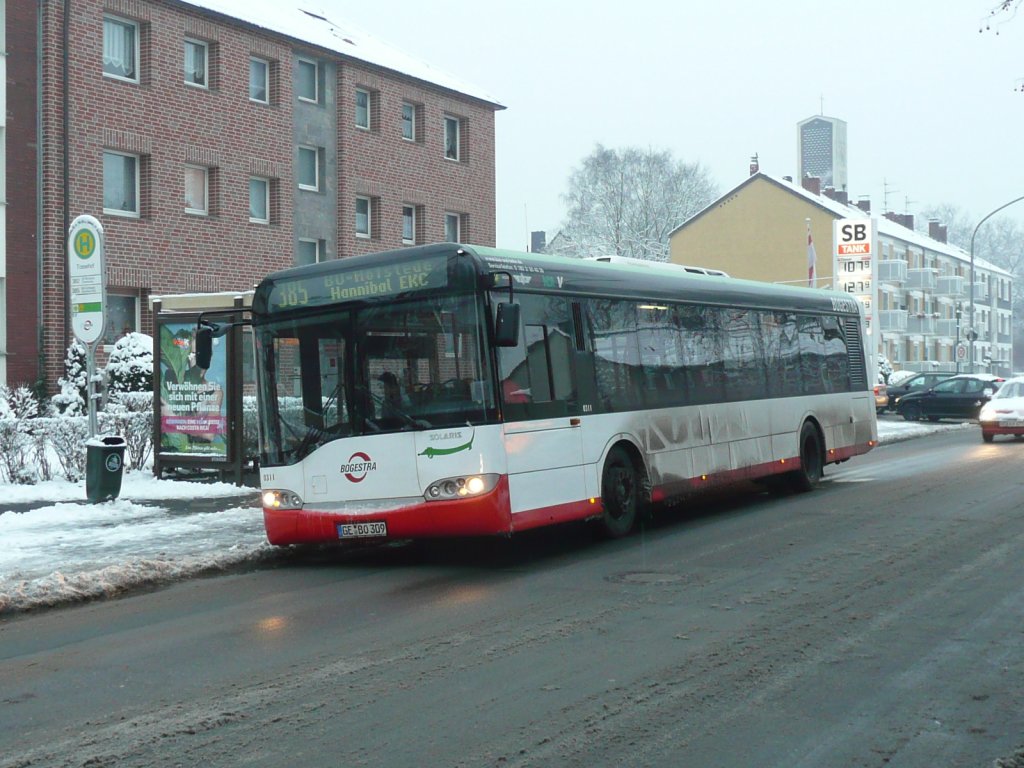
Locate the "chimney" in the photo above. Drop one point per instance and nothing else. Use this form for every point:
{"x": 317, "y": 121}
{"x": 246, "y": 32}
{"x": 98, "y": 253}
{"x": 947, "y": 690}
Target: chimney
{"x": 830, "y": 192}
{"x": 538, "y": 241}
{"x": 937, "y": 231}
{"x": 812, "y": 184}
{"x": 755, "y": 167}
{"x": 842, "y": 197}
{"x": 864, "y": 203}
{"x": 903, "y": 219}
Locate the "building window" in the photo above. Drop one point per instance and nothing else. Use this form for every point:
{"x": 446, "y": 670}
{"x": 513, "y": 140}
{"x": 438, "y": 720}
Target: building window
{"x": 364, "y": 213}
{"x": 408, "y": 224}
{"x": 452, "y": 129}
{"x": 309, "y": 251}
{"x": 259, "y": 80}
{"x": 452, "y": 228}
{"x": 197, "y": 64}
{"x": 362, "y": 108}
{"x": 259, "y": 200}
{"x": 122, "y": 317}
{"x": 307, "y": 81}
{"x": 309, "y": 168}
{"x": 197, "y": 190}
{"x": 120, "y": 184}
{"x": 120, "y": 49}
{"x": 408, "y": 121}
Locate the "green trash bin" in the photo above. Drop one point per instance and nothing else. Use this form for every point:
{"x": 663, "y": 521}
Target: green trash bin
{"x": 104, "y": 466}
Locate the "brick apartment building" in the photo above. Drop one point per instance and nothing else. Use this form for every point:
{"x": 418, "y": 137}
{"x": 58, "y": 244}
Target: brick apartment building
{"x": 216, "y": 141}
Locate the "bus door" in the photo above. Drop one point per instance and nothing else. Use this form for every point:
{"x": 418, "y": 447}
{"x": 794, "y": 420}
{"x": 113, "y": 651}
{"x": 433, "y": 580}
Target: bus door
{"x": 541, "y": 408}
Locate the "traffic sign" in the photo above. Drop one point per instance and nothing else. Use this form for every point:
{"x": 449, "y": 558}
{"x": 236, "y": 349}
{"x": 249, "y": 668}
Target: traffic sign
{"x": 87, "y": 278}
{"x": 961, "y": 352}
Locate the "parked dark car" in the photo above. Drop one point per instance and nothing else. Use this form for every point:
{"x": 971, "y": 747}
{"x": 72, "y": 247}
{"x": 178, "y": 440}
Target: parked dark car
{"x": 959, "y": 397}
{"x": 915, "y": 383}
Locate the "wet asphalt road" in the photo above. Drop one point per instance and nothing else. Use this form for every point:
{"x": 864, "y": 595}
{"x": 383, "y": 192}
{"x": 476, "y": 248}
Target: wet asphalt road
{"x": 878, "y": 621}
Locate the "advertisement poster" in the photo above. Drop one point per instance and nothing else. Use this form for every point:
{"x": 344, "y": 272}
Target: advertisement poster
{"x": 193, "y": 401}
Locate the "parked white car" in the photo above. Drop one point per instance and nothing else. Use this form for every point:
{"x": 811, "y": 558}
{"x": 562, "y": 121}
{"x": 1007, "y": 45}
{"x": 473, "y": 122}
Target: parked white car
{"x": 1004, "y": 413}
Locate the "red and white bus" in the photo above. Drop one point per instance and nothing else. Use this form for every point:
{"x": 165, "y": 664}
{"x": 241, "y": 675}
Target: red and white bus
{"x": 454, "y": 390}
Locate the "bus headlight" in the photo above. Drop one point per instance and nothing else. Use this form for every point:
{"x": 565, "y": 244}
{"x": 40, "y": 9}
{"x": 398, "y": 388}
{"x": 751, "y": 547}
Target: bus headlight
{"x": 460, "y": 487}
{"x": 281, "y": 500}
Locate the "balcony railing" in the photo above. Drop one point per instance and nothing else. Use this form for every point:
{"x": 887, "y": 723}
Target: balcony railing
{"x": 950, "y": 285}
{"x": 922, "y": 279}
{"x": 892, "y": 271}
{"x": 981, "y": 291}
{"x": 924, "y": 324}
{"x": 946, "y": 327}
{"x": 892, "y": 320}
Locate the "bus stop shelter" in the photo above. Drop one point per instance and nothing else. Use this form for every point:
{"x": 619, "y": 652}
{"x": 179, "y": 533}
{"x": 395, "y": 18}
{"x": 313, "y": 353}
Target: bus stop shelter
{"x": 198, "y": 418}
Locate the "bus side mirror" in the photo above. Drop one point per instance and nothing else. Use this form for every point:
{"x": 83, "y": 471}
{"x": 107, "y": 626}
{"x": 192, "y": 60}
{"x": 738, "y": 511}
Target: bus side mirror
{"x": 204, "y": 346}
{"x": 506, "y": 325}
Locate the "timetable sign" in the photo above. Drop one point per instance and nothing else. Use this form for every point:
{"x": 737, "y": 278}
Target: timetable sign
{"x": 87, "y": 278}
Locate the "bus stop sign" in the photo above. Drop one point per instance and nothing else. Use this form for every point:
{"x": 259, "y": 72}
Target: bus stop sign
{"x": 87, "y": 278}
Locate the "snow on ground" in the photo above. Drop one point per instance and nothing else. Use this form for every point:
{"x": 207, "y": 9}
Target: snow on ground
{"x": 57, "y": 548}
{"x": 156, "y": 531}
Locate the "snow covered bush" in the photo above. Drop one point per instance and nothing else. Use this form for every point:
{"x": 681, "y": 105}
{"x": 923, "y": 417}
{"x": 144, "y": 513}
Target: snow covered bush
{"x": 884, "y": 369}
{"x": 130, "y": 367}
{"x": 17, "y": 406}
{"x": 250, "y": 427}
{"x": 130, "y": 414}
{"x": 67, "y": 437}
{"x": 74, "y": 384}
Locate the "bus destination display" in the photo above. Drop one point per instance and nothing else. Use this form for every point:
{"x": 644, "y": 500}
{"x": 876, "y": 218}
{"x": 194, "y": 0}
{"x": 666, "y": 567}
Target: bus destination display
{"x": 366, "y": 283}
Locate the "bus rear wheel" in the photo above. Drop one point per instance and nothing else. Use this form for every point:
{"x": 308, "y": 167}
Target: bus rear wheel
{"x": 620, "y": 494}
{"x": 811, "y": 464}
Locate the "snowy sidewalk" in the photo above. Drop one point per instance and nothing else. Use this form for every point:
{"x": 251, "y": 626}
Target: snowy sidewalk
{"x": 55, "y": 547}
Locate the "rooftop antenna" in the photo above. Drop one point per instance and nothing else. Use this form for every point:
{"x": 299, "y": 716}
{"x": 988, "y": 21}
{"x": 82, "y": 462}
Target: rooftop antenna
{"x": 886, "y": 189}
{"x": 821, "y": 98}
{"x": 907, "y": 202}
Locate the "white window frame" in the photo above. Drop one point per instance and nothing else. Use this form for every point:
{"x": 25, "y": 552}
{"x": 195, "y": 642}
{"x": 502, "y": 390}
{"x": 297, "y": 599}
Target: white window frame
{"x": 316, "y": 80}
{"x": 315, "y": 187}
{"x": 457, "y": 218}
{"x": 205, "y": 85}
{"x": 318, "y": 251}
{"x": 450, "y": 121}
{"x": 266, "y": 80}
{"x": 411, "y": 218}
{"x": 369, "y": 216}
{"x": 368, "y": 110}
{"x": 266, "y": 199}
{"x": 205, "y": 210}
{"x": 411, "y": 122}
{"x": 137, "y": 212}
{"x": 135, "y": 47}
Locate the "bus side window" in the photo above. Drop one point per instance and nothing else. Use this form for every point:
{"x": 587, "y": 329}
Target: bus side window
{"x": 538, "y": 376}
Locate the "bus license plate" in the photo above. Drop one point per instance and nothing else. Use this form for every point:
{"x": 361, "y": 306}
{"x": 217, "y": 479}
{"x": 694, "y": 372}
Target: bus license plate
{"x": 361, "y": 530}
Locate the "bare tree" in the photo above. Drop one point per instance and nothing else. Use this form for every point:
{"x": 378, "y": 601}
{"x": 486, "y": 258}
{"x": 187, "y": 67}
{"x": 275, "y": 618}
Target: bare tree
{"x": 626, "y": 202}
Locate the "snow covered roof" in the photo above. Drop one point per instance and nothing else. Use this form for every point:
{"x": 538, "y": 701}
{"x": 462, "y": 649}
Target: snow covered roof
{"x": 309, "y": 23}
{"x": 841, "y": 210}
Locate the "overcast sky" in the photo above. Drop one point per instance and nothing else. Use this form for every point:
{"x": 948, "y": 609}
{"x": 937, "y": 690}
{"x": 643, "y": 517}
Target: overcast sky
{"x": 930, "y": 104}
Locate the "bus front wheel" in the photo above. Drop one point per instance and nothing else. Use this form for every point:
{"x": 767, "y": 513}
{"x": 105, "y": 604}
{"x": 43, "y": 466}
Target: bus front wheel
{"x": 620, "y": 494}
{"x": 811, "y": 464}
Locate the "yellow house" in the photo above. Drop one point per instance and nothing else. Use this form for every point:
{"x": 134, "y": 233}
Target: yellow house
{"x": 758, "y": 231}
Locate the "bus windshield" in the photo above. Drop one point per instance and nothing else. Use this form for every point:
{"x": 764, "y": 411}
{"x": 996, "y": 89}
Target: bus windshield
{"x": 401, "y": 366}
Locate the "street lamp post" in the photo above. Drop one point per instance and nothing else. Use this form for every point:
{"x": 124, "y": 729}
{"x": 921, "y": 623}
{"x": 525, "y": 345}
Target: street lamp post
{"x": 956, "y": 349}
{"x": 971, "y": 315}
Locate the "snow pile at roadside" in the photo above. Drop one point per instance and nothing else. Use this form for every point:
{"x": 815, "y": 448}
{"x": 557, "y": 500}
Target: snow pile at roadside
{"x": 71, "y": 551}
{"x": 894, "y": 431}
